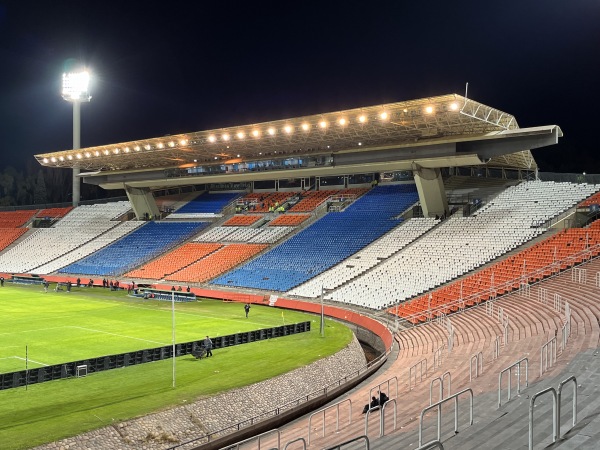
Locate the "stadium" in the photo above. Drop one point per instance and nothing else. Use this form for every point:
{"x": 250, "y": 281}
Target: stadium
{"x": 469, "y": 281}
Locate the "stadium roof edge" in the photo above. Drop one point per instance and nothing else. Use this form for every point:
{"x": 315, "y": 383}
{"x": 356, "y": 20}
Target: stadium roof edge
{"x": 412, "y": 122}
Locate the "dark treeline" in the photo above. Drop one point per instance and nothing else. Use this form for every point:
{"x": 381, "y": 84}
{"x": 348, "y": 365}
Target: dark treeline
{"x": 36, "y": 185}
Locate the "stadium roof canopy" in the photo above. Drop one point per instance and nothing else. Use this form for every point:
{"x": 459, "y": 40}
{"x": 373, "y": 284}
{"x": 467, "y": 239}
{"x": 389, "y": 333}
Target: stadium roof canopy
{"x": 414, "y": 125}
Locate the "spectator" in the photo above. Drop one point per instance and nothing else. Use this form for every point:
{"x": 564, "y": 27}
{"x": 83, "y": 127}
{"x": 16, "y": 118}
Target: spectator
{"x": 1, "y": 281}
{"x": 78, "y": 282}
{"x": 188, "y": 289}
{"x": 173, "y": 288}
{"x": 383, "y": 398}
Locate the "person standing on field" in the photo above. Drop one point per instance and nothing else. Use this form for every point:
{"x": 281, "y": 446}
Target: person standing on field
{"x": 247, "y": 309}
{"x": 208, "y": 346}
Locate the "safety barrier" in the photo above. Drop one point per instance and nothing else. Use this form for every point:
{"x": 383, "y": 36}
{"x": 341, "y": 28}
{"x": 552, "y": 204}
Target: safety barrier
{"x": 293, "y": 441}
{"x": 548, "y": 355}
{"x": 478, "y": 357}
{"x": 509, "y": 370}
{"x": 356, "y": 439}
{"x": 387, "y": 383}
{"x": 431, "y": 444}
{"x": 579, "y": 275}
{"x": 439, "y": 413}
{"x": 257, "y": 438}
{"x": 437, "y": 356}
{"x": 381, "y": 416}
{"x": 417, "y": 369}
{"x": 441, "y": 380}
{"x": 337, "y": 417}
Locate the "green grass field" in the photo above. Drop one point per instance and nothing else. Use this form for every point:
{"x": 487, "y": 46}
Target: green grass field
{"x": 58, "y": 327}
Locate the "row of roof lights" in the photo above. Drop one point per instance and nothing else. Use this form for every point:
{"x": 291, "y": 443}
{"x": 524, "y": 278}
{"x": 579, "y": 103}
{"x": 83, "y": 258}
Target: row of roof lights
{"x": 305, "y": 126}
{"x": 271, "y": 131}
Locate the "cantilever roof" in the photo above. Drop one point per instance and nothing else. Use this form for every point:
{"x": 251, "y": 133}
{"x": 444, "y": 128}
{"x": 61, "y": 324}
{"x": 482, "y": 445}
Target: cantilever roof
{"x": 360, "y": 129}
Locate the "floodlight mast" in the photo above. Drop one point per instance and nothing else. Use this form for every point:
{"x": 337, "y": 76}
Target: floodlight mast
{"x": 75, "y": 89}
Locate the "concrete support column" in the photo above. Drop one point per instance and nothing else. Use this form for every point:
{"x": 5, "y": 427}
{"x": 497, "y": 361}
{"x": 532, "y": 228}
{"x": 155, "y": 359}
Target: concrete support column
{"x": 142, "y": 201}
{"x": 432, "y": 195}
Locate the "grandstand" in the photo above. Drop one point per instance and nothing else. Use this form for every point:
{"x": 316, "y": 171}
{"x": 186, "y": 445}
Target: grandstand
{"x": 453, "y": 270}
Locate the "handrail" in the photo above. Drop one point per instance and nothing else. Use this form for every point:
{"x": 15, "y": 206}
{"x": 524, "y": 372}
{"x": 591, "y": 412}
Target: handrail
{"x": 441, "y": 380}
{"x": 339, "y": 446}
{"x": 258, "y": 436}
{"x": 509, "y": 370}
{"x": 570, "y": 261}
{"x": 420, "y": 365}
{"x": 478, "y": 357}
{"x": 554, "y": 414}
{"x": 431, "y": 444}
{"x": 438, "y": 405}
{"x": 382, "y": 416}
{"x": 559, "y": 396}
{"x": 437, "y": 356}
{"x": 378, "y": 388}
{"x": 337, "y": 417}
{"x": 300, "y": 439}
{"x": 548, "y": 350}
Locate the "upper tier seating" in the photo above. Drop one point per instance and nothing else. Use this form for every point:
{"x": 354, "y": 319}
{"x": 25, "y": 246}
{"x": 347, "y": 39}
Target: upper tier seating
{"x": 55, "y": 213}
{"x": 205, "y": 205}
{"x": 217, "y": 263}
{"x": 462, "y": 244}
{"x": 366, "y": 258}
{"x": 592, "y": 200}
{"x": 325, "y": 242}
{"x": 145, "y": 243}
{"x": 242, "y": 220}
{"x": 260, "y": 202}
{"x": 80, "y": 226}
{"x": 173, "y": 261}
{"x": 14, "y": 219}
{"x": 289, "y": 220}
{"x": 310, "y": 200}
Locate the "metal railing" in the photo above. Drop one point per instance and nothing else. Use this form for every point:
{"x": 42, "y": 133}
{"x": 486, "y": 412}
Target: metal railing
{"x": 385, "y": 383}
{"x": 293, "y": 441}
{"x": 509, "y": 370}
{"x": 556, "y": 407}
{"x": 548, "y": 355}
{"x": 478, "y": 358}
{"x": 431, "y": 444}
{"x": 356, "y": 439}
{"x": 337, "y": 416}
{"x": 257, "y": 438}
{"x": 439, "y": 413}
{"x": 417, "y": 370}
{"x": 441, "y": 380}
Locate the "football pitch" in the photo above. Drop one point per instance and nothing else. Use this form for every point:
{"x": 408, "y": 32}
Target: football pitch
{"x": 40, "y": 328}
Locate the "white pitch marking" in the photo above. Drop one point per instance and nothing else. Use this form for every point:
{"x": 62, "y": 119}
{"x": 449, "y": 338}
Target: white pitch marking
{"x": 115, "y": 334}
{"x": 32, "y": 360}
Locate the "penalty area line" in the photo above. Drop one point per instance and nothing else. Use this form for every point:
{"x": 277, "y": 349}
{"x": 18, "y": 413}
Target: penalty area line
{"x": 32, "y": 360}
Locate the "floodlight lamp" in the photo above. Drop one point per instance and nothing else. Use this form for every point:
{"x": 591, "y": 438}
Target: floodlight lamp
{"x": 171, "y": 144}
{"x": 342, "y": 121}
{"x": 429, "y": 109}
{"x": 384, "y": 115}
{"x": 183, "y": 142}
{"x": 362, "y": 118}
{"x": 323, "y": 124}
{"x": 69, "y": 157}
{"x": 225, "y": 137}
{"x": 79, "y": 156}
{"x": 287, "y": 129}
{"x": 88, "y": 154}
{"x": 137, "y": 148}
{"x": 53, "y": 159}
{"x": 75, "y": 86}
{"x": 305, "y": 126}
{"x": 61, "y": 158}
{"x": 45, "y": 160}
{"x": 160, "y": 145}
{"x": 271, "y": 131}
{"x": 240, "y": 135}
{"x": 212, "y": 138}
{"x": 453, "y": 106}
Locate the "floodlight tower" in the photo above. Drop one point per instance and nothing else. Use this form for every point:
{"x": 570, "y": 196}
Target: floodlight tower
{"x": 75, "y": 89}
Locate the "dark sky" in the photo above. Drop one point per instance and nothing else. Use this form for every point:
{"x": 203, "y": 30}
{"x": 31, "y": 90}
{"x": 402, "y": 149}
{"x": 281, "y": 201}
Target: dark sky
{"x": 173, "y": 67}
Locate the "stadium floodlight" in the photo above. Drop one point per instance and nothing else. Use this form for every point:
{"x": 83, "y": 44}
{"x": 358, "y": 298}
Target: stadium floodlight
{"x": 75, "y": 89}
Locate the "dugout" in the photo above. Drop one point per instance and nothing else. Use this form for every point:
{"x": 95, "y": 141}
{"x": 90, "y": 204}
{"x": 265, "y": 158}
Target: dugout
{"x": 163, "y": 294}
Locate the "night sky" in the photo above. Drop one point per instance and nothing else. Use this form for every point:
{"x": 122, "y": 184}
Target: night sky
{"x": 173, "y": 67}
